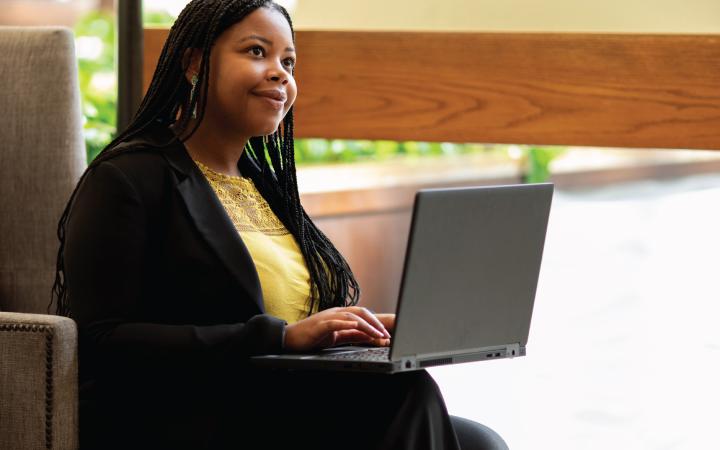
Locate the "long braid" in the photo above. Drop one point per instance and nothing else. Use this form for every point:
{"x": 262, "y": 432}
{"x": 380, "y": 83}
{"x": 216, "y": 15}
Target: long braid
{"x": 330, "y": 273}
{"x": 168, "y": 101}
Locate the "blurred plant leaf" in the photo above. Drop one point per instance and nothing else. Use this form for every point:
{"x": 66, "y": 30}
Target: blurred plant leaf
{"x": 538, "y": 163}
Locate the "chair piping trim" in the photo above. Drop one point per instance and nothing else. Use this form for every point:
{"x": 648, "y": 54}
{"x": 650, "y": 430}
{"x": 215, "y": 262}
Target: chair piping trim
{"x": 48, "y": 330}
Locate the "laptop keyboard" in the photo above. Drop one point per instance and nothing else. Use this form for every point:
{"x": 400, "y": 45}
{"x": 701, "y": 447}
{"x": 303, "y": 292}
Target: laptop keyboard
{"x": 373, "y": 354}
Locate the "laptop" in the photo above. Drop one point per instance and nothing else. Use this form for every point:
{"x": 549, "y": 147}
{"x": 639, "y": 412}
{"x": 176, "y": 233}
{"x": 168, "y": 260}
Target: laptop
{"x": 468, "y": 284}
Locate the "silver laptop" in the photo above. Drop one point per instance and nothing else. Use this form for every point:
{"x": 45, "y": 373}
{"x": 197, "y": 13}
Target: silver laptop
{"x": 468, "y": 284}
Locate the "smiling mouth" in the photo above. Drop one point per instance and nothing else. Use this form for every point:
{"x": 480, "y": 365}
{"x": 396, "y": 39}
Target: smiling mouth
{"x": 276, "y": 104}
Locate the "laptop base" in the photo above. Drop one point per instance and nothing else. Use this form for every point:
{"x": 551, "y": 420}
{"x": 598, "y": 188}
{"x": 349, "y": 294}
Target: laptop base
{"x": 328, "y": 359}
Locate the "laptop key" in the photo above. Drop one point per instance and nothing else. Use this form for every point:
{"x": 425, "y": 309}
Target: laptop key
{"x": 374, "y": 354}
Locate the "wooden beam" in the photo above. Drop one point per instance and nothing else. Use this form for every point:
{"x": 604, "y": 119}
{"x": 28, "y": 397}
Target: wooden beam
{"x": 609, "y": 90}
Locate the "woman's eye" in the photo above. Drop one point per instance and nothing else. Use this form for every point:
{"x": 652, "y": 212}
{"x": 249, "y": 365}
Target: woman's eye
{"x": 257, "y": 51}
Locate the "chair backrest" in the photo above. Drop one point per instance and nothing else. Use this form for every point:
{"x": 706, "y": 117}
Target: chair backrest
{"x": 42, "y": 155}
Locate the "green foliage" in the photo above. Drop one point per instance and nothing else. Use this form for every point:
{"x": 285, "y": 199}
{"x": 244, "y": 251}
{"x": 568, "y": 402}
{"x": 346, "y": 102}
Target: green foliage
{"x": 324, "y": 151}
{"x": 97, "y": 75}
{"x": 97, "y": 80}
{"x": 157, "y": 18}
{"x": 538, "y": 163}
{"x": 534, "y": 160}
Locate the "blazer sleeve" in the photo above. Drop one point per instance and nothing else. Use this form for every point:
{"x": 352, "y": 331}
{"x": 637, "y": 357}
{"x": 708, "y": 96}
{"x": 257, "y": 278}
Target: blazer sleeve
{"x": 106, "y": 238}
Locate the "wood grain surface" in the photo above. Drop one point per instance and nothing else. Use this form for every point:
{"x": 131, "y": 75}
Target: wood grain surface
{"x": 609, "y": 90}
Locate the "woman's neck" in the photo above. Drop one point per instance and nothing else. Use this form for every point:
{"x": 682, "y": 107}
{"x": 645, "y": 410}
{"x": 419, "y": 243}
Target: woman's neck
{"x": 217, "y": 150}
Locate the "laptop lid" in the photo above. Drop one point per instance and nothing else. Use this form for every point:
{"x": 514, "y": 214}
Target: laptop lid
{"x": 471, "y": 269}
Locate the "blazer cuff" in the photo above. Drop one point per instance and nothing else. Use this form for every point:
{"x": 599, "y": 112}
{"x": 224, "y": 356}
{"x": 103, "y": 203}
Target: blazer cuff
{"x": 269, "y": 332}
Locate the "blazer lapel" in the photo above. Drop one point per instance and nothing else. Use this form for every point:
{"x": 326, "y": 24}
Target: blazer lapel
{"x": 213, "y": 222}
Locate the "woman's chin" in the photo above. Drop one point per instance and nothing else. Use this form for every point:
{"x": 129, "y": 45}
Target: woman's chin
{"x": 266, "y": 131}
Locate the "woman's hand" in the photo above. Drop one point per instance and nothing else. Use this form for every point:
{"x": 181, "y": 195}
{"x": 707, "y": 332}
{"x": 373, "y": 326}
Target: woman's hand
{"x": 338, "y": 326}
{"x": 388, "y": 321}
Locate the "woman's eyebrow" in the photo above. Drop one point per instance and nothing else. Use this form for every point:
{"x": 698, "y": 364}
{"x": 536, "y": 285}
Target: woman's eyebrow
{"x": 263, "y": 40}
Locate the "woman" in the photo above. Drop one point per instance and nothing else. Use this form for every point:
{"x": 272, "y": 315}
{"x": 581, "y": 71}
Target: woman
{"x": 183, "y": 251}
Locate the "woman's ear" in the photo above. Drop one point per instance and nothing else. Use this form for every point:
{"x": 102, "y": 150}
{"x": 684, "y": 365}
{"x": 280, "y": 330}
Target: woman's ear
{"x": 191, "y": 61}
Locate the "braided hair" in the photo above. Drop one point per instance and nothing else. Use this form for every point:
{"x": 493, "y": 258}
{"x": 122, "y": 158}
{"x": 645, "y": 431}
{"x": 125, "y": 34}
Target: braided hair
{"x": 169, "y": 101}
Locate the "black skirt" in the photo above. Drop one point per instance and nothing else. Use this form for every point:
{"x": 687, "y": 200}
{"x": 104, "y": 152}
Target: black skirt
{"x": 280, "y": 409}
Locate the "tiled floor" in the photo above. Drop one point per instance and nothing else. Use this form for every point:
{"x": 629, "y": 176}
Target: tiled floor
{"x": 624, "y": 349}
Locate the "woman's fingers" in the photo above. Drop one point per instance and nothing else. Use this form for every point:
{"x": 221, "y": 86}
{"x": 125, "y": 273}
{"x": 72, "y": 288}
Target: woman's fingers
{"x": 370, "y": 318}
{"x": 337, "y": 325}
{"x": 330, "y": 330}
{"x": 358, "y": 337}
{"x": 363, "y": 324}
{"x": 381, "y": 342}
{"x": 364, "y": 313}
{"x": 352, "y": 337}
{"x": 354, "y": 334}
{"x": 388, "y": 320}
{"x": 379, "y": 324}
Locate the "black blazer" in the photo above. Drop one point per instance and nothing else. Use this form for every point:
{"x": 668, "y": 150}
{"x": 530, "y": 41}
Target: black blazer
{"x": 165, "y": 294}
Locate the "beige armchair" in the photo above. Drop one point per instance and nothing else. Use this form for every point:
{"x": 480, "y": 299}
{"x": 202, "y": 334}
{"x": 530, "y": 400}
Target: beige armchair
{"x": 42, "y": 155}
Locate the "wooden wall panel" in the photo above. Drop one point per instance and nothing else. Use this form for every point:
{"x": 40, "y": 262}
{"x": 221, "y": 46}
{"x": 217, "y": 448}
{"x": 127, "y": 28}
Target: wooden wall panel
{"x": 374, "y": 245}
{"x": 609, "y": 90}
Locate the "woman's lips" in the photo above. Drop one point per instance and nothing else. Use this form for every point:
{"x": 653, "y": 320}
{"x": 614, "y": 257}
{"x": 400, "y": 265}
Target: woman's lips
{"x": 275, "y": 104}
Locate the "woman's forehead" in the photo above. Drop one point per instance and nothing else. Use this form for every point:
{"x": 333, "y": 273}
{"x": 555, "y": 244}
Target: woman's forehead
{"x": 264, "y": 22}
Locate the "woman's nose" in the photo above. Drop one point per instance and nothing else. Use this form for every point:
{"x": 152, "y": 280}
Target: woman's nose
{"x": 277, "y": 74}
{"x": 276, "y": 77}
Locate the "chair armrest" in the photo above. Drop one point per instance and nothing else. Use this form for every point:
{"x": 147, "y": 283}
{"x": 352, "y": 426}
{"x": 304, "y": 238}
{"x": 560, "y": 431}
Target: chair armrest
{"x": 38, "y": 381}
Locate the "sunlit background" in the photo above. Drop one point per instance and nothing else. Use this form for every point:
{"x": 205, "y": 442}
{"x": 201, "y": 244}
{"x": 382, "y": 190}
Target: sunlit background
{"x": 624, "y": 349}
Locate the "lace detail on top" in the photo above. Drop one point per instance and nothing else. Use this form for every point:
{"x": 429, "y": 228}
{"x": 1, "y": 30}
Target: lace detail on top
{"x": 247, "y": 208}
{"x": 281, "y": 268}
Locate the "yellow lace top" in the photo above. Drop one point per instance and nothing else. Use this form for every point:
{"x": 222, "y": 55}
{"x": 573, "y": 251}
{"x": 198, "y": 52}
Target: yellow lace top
{"x": 284, "y": 278}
